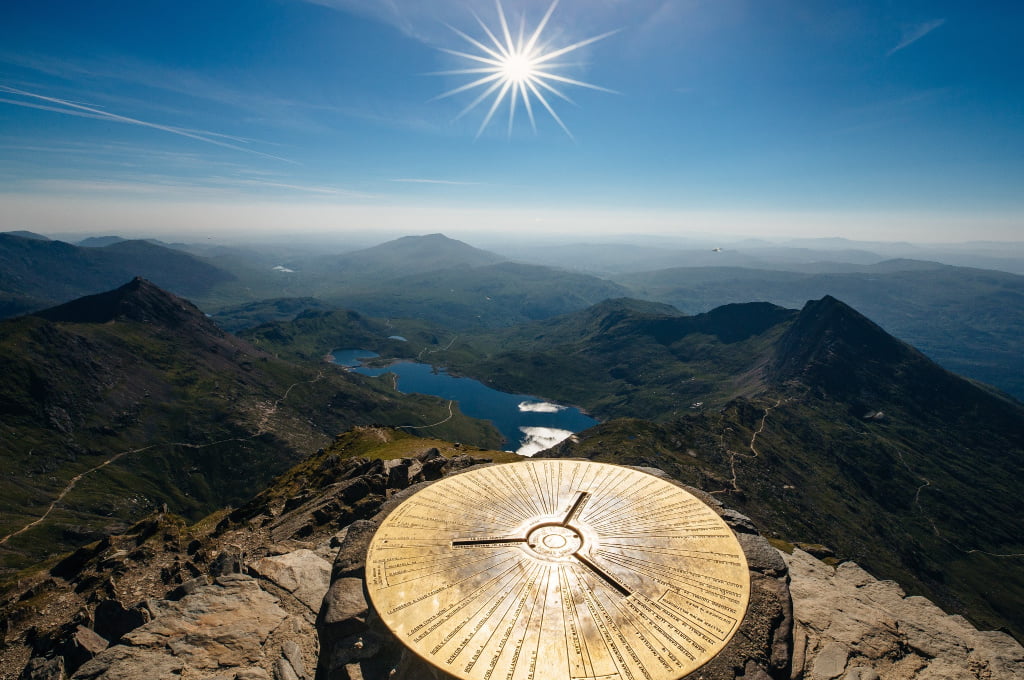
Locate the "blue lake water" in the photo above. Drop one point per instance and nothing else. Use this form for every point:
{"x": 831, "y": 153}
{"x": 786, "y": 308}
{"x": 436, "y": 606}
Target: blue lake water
{"x": 528, "y": 424}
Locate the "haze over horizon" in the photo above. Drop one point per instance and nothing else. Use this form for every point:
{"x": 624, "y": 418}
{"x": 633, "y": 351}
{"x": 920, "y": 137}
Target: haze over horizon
{"x": 860, "y": 120}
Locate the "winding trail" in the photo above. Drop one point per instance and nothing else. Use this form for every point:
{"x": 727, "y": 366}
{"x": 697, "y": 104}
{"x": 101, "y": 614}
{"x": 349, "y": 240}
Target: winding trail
{"x": 754, "y": 453}
{"x": 935, "y": 528}
{"x": 447, "y": 347}
{"x": 451, "y": 414}
{"x": 261, "y": 428}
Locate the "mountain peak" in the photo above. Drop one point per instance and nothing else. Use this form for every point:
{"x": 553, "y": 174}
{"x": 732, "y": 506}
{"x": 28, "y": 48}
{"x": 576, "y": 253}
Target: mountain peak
{"x": 138, "y": 300}
{"x": 834, "y": 346}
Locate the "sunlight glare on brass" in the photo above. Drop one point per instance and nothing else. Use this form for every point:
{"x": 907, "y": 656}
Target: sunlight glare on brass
{"x": 558, "y": 569}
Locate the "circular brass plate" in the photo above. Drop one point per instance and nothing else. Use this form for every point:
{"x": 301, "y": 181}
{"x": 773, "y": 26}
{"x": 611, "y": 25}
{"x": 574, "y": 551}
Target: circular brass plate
{"x": 558, "y": 569}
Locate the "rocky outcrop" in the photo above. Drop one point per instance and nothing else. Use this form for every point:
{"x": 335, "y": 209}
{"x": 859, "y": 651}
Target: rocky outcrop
{"x": 234, "y": 599}
{"x": 274, "y": 590}
{"x": 850, "y": 626}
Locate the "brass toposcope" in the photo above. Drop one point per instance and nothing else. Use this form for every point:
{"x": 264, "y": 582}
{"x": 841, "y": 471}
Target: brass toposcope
{"x": 562, "y": 569}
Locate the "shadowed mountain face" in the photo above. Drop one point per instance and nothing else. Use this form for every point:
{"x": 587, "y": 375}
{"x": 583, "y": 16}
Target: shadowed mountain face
{"x": 138, "y": 301}
{"x": 133, "y": 398}
{"x": 969, "y": 320}
{"x": 857, "y": 440}
{"x": 38, "y": 273}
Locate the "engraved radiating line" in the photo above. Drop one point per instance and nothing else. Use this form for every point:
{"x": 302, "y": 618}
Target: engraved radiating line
{"x": 610, "y": 605}
{"x": 667, "y": 571}
{"x": 466, "y": 503}
{"x": 444, "y": 570}
{"x": 685, "y": 616}
{"x": 585, "y": 656}
{"x": 727, "y": 605}
{"x": 549, "y": 482}
{"x": 410, "y": 543}
{"x": 558, "y": 484}
{"x": 529, "y": 618}
{"x": 535, "y": 479}
{"x": 636, "y": 498}
{"x": 690, "y": 533}
{"x": 520, "y": 481}
{"x": 544, "y": 608}
{"x": 443, "y": 516}
{"x": 516, "y": 594}
{"x": 488, "y": 500}
{"x": 635, "y": 525}
{"x": 672, "y": 621}
{"x": 445, "y": 507}
{"x": 679, "y": 510}
{"x": 450, "y": 631}
{"x": 607, "y": 491}
{"x": 493, "y": 490}
{"x": 474, "y": 615}
{"x": 572, "y": 481}
{"x": 692, "y": 554}
{"x": 448, "y": 586}
{"x": 597, "y": 485}
{"x": 516, "y": 482}
{"x": 519, "y": 496}
{"x": 616, "y": 505}
{"x": 515, "y": 492}
{"x": 634, "y": 495}
{"x": 567, "y": 629}
{"x": 521, "y": 598}
{"x": 483, "y": 490}
{"x": 642, "y": 623}
{"x": 666, "y": 519}
{"x": 525, "y": 481}
{"x": 431, "y": 624}
{"x": 602, "y": 627}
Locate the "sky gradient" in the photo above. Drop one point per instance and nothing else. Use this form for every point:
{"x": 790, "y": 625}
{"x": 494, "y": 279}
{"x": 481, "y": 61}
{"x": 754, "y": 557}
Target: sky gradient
{"x": 870, "y": 120}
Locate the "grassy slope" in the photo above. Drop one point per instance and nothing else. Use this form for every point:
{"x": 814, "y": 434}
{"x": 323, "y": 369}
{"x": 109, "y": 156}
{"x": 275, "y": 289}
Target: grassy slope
{"x": 209, "y": 411}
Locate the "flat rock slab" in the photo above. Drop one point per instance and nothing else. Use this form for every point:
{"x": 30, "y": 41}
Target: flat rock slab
{"x": 218, "y": 626}
{"x": 302, "y": 573}
{"x": 853, "y": 627}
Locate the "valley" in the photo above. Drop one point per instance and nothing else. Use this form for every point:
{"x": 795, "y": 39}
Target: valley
{"x": 810, "y": 418}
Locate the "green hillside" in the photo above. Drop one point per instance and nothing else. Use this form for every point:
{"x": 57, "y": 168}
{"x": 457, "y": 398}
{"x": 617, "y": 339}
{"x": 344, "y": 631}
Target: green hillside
{"x": 138, "y": 392}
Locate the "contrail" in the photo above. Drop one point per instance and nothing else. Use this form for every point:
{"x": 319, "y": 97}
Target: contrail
{"x": 82, "y": 111}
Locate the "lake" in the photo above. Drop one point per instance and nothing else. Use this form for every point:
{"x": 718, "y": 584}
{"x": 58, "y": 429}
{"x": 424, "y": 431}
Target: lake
{"x": 528, "y": 424}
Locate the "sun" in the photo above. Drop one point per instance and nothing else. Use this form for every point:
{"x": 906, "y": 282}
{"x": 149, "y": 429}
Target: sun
{"x": 520, "y": 70}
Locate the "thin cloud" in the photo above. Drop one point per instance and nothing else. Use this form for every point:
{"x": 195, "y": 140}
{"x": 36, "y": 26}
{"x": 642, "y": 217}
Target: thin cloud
{"x": 421, "y": 180}
{"x": 70, "y": 108}
{"x": 914, "y": 34}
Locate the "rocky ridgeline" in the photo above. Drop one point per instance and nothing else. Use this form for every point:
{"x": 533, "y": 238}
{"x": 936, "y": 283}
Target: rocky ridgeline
{"x": 274, "y": 590}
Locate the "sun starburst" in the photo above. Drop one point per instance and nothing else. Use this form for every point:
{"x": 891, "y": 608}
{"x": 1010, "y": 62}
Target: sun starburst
{"x": 517, "y": 69}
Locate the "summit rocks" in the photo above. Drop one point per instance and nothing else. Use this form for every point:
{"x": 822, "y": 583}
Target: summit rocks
{"x": 274, "y": 590}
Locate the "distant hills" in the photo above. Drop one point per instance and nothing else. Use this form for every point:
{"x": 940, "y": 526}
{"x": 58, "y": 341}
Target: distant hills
{"x": 969, "y": 320}
{"x": 133, "y": 398}
{"x": 37, "y": 272}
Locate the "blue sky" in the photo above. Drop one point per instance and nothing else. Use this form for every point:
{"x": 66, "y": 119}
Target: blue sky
{"x": 871, "y": 119}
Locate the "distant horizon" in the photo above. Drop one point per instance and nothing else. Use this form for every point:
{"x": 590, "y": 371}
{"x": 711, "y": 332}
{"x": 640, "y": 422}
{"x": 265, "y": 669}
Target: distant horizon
{"x": 362, "y": 238}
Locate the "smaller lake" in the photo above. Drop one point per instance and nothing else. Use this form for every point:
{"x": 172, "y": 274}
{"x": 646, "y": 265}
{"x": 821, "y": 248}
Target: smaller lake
{"x": 528, "y": 424}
